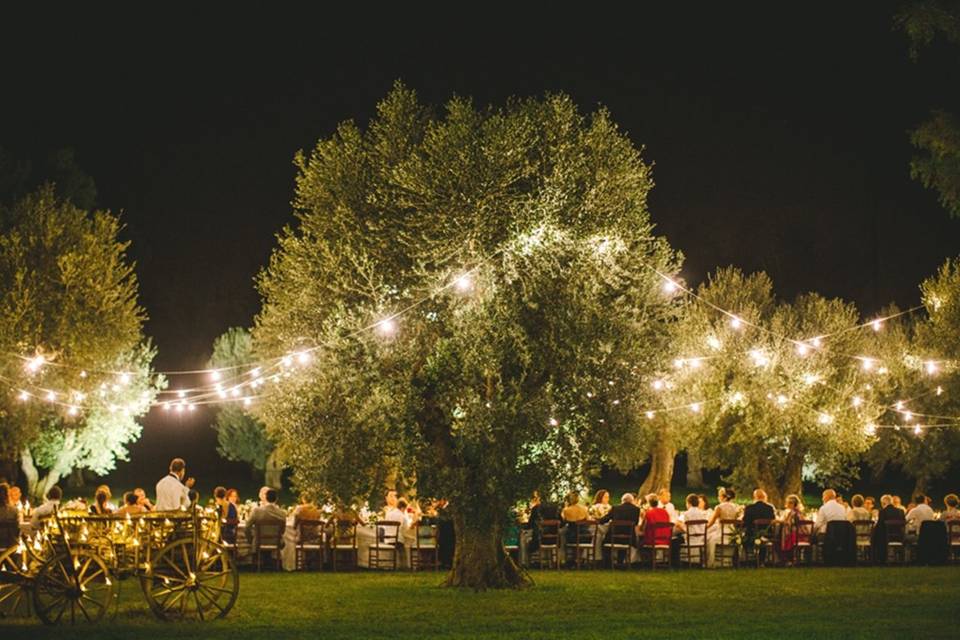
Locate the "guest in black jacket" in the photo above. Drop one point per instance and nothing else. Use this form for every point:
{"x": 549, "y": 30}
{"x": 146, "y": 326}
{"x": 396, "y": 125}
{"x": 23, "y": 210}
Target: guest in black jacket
{"x": 759, "y": 510}
{"x": 626, "y": 510}
{"x": 888, "y": 513}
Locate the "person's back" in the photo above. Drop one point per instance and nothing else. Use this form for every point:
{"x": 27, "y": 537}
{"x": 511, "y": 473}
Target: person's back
{"x": 172, "y": 494}
{"x": 9, "y": 519}
{"x": 266, "y": 514}
{"x": 574, "y": 513}
{"x": 919, "y": 514}
{"x": 652, "y": 534}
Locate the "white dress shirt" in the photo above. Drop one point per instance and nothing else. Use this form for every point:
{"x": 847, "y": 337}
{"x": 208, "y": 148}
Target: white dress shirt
{"x": 44, "y": 510}
{"x": 920, "y": 513}
{"x": 172, "y": 495}
{"x": 830, "y": 511}
{"x": 671, "y": 511}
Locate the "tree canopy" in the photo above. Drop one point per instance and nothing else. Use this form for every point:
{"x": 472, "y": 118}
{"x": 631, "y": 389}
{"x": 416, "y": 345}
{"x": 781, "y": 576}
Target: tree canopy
{"x": 476, "y": 291}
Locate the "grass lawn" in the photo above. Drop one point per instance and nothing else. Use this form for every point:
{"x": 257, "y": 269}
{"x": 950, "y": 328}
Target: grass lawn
{"x": 783, "y": 603}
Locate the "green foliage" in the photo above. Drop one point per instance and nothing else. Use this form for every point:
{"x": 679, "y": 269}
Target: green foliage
{"x": 68, "y": 291}
{"x": 240, "y": 436}
{"x": 19, "y": 177}
{"x": 535, "y": 374}
{"x": 938, "y": 165}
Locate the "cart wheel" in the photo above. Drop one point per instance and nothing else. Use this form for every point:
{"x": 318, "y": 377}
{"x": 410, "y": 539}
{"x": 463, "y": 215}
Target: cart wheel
{"x": 191, "y": 581}
{"x": 73, "y": 587}
{"x": 15, "y": 595}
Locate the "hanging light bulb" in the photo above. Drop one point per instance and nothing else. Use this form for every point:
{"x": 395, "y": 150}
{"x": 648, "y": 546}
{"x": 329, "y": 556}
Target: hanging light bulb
{"x": 650, "y": 415}
{"x": 736, "y": 322}
{"x": 191, "y": 407}
{"x": 303, "y": 357}
{"x": 463, "y": 283}
{"x": 51, "y": 396}
{"x": 867, "y": 363}
{"x": 124, "y": 378}
{"x": 714, "y": 343}
{"x": 939, "y": 390}
{"x": 870, "y": 429}
{"x": 931, "y": 367}
{"x": 695, "y": 407}
{"x": 286, "y": 361}
{"x": 825, "y": 418}
{"x": 669, "y": 286}
{"x": 857, "y": 401}
{"x": 877, "y": 325}
{"x": 215, "y": 375}
{"x": 83, "y": 374}
{"x": 73, "y": 410}
{"x": 810, "y": 379}
{"x": 179, "y": 407}
{"x": 181, "y": 393}
{"x": 907, "y": 416}
{"x": 24, "y": 396}
{"x": 35, "y": 363}
{"x": 386, "y": 327}
{"x": 917, "y": 430}
{"x": 782, "y": 399}
{"x": 553, "y": 422}
{"x": 816, "y": 342}
{"x": 657, "y": 385}
{"x": 803, "y": 348}
{"x": 247, "y": 401}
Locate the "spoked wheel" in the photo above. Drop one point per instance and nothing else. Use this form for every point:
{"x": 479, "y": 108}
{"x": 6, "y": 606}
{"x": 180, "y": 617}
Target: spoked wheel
{"x": 75, "y": 588}
{"x": 191, "y": 581}
{"x": 14, "y": 593}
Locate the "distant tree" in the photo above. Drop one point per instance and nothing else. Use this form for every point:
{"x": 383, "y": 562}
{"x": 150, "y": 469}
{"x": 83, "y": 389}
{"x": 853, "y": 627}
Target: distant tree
{"x": 519, "y": 243}
{"x": 771, "y": 407}
{"x": 937, "y": 165}
{"x": 240, "y": 435}
{"x": 68, "y": 293}
{"x": 20, "y": 176}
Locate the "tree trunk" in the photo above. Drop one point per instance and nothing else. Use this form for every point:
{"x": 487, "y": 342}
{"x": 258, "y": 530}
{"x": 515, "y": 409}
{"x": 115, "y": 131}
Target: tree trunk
{"x": 273, "y": 471}
{"x": 31, "y": 474}
{"x": 76, "y": 480}
{"x": 919, "y": 486}
{"x": 661, "y": 467}
{"x": 479, "y": 560}
{"x": 694, "y": 470}
{"x": 792, "y": 482}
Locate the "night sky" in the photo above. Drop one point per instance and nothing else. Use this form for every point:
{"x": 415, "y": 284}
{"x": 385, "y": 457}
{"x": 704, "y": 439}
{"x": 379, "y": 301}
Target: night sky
{"x": 779, "y": 139}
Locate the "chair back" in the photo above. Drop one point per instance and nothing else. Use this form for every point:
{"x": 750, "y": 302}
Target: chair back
{"x": 345, "y": 533}
{"x": 268, "y": 534}
{"x": 511, "y": 537}
{"x": 622, "y": 532}
{"x": 763, "y": 529}
{"x": 953, "y": 532}
{"x": 586, "y": 532}
{"x": 426, "y": 536}
{"x": 310, "y": 531}
{"x": 388, "y": 532}
{"x": 662, "y": 532}
{"x": 728, "y": 531}
{"x": 696, "y": 533}
{"x": 804, "y": 529}
{"x": 896, "y": 530}
{"x": 864, "y": 529}
{"x": 549, "y": 533}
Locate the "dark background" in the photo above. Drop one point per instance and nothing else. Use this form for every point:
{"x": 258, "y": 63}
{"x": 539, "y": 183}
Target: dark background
{"x": 779, "y": 138}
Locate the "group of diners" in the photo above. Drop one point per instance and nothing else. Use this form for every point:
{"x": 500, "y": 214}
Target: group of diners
{"x": 786, "y": 536}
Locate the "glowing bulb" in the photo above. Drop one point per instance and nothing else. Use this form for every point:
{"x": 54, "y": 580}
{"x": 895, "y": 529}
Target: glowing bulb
{"x": 657, "y": 385}
{"x": 24, "y": 396}
{"x": 215, "y": 375}
{"x": 286, "y": 361}
{"x": 802, "y": 348}
{"x": 857, "y": 401}
{"x": 179, "y": 408}
{"x": 899, "y": 405}
{"x": 877, "y": 325}
{"x": 907, "y": 416}
{"x": 191, "y": 407}
{"x": 759, "y": 358}
{"x": 83, "y": 374}
{"x": 679, "y": 362}
{"x": 825, "y": 418}
{"x": 694, "y": 363}
{"x": 736, "y": 322}
{"x": 386, "y": 327}
{"x": 931, "y": 367}
{"x": 781, "y": 399}
{"x": 883, "y": 371}
{"x": 650, "y": 415}
{"x": 553, "y": 422}
{"x": 222, "y": 393}
{"x": 165, "y": 406}
{"x": 870, "y": 429}
{"x": 737, "y": 397}
{"x": 695, "y": 407}
{"x": 714, "y": 343}
{"x": 939, "y": 391}
{"x": 669, "y": 286}
{"x": 235, "y": 392}
{"x": 35, "y": 363}
{"x": 247, "y": 401}
{"x": 463, "y": 284}
{"x": 181, "y": 393}
{"x": 810, "y": 379}
{"x": 867, "y": 363}
{"x": 303, "y": 357}
{"x": 72, "y": 411}
{"x": 816, "y": 342}
{"x": 124, "y": 378}
{"x": 918, "y": 430}
{"x": 51, "y": 396}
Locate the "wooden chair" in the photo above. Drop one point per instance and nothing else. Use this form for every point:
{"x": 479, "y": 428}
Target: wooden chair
{"x": 511, "y": 542}
{"x": 727, "y": 551}
{"x": 804, "y": 546}
{"x": 620, "y": 541}
{"x": 268, "y": 536}
{"x": 660, "y": 549}
{"x": 762, "y": 548}
{"x": 584, "y": 545}
{"x": 385, "y": 550}
{"x": 550, "y": 542}
{"x": 896, "y": 540}
{"x": 424, "y": 554}
{"x": 343, "y": 542}
{"x": 864, "y": 530}
{"x": 310, "y": 539}
{"x": 694, "y": 549}
{"x": 953, "y": 540}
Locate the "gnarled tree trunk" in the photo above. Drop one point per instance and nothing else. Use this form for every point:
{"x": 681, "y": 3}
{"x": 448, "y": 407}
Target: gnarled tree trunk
{"x": 273, "y": 471}
{"x": 694, "y": 470}
{"x": 480, "y": 561}
{"x": 661, "y": 466}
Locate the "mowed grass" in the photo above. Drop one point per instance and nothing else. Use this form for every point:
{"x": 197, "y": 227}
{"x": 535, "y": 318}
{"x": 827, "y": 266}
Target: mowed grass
{"x": 772, "y": 603}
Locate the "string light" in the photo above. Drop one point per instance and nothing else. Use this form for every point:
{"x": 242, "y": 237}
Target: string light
{"x": 931, "y": 367}
{"x": 463, "y": 284}
{"x": 303, "y": 357}
{"x": 877, "y": 325}
{"x": 216, "y": 375}
{"x": 695, "y": 407}
{"x": 736, "y": 322}
{"x": 802, "y": 348}
{"x": 650, "y": 415}
{"x": 35, "y": 363}
{"x": 124, "y": 378}
{"x": 553, "y": 422}
{"x": 867, "y": 363}
{"x": 669, "y": 286}
{"x": 386, "y": 327}
{"x": 714, "y": 343}
{"x": 857, "y": 401}
{"x": 24, "y": 396}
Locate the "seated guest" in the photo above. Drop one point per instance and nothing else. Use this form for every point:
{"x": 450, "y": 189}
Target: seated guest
{"x": 918, "y": 515}
{"x": 131, "y": 504}
{"x": 704, "y": 503}
{"x": 951, "y": 512}
{"x": 533, "y": 511}
{"x": 9, "y": 516}
{"x": 888, "y": 511}
{"x": 664, "y": 497}
{"x": 692, "y": 514}
{"x": 830, "y": 511}
{"x": 858, "y": 509}
{"x": 757, "y": 510}
{"x": 51, "y": 504}
{"x": 306, "y": 510}
{"x": 267, "y": 513}
{"x": 15, "y": 500}
{"x": 142, "y": 499}
{"x": 726, "y": 510}
{"x": 601, "y": 504}
{"x": 573, "y": 511}
{"x": 228, "y": 514}
{"x": 871, "y": 506}
{"x": 898, "y": 504}
{"x": 653, "y": 515}
{"x": 233, "y": 497}
{"x": 101, "y": 502}
{"x": 627, "y": 510}
{"x": 392, "y": 511}
{"x": 789, "y": 536}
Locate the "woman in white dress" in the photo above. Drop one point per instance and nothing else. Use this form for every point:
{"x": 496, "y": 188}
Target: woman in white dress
{"x": 726, "y": 510}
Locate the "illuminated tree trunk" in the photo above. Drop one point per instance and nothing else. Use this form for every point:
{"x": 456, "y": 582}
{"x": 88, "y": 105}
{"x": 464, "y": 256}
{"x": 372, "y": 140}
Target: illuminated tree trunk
{"x": 661, "y": 466}
{"x": 273, "y": 471}
{"x": 479, "y": 560}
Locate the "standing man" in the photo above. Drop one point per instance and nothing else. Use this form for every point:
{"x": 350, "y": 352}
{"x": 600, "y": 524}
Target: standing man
{"x": 172, "y": 493}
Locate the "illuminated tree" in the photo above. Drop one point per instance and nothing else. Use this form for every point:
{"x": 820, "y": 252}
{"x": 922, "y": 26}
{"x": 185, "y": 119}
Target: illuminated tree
{"x": 240, "y": 435}
{"x": 476, "y": 296}
{"x": 68, "y": 311}
{"x": 778, "y": 390}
